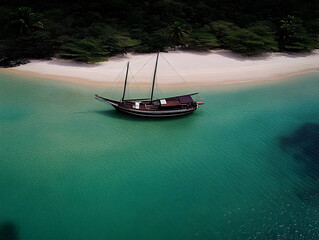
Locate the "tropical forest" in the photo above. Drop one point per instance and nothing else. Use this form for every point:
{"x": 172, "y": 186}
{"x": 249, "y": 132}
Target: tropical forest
{"x": 92, "y": 31}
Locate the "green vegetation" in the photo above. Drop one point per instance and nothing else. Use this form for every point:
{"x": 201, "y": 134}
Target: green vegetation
{"x": 95, "y": 43}
{"x": 179, "y": 33}
{"x": 253, "y": 40}
{"x": 92, "y": 31}
{"x": 202, "y": 39}
{"x": 294, "y": 37}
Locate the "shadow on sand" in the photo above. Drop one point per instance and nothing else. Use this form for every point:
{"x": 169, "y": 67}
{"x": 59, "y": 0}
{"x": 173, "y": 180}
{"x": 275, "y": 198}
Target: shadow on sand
{"x": 263, "y": 56}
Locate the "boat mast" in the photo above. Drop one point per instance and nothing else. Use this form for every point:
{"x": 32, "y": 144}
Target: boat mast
{"x": 154, "y": 77}
{"x": 124, "y": 90}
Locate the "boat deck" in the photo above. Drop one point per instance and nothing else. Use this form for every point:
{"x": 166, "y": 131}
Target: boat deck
{"x": 165, "y": 104}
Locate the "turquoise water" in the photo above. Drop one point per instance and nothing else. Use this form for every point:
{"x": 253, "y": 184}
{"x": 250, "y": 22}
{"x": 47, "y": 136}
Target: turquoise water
{"x": 243, "y": 166}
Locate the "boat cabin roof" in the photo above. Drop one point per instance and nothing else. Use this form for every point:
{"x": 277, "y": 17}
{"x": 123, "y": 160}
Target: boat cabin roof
{"x": 176, "y": 101}
{"x": 186, "y": 99}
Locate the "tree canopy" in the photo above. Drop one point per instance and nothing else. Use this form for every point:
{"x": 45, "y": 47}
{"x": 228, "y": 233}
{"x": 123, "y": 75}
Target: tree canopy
{"x": 92, "y": 31}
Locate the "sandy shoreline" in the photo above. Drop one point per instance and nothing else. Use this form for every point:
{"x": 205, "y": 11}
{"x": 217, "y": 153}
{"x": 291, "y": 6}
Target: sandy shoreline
{"x": 175, "y": 68}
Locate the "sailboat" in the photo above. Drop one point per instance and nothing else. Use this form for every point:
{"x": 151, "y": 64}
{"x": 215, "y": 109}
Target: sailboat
{"x": 150, "y": 107}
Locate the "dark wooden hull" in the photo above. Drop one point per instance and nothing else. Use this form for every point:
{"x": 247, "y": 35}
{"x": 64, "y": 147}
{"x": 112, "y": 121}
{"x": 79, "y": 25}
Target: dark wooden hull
{"x": 156, "y": 112}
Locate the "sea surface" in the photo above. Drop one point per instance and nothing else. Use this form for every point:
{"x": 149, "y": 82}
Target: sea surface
{"x": 243, "y": 166}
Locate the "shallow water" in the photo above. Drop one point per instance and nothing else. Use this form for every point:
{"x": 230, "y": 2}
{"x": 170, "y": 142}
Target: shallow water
{"x": 243, "y": 166}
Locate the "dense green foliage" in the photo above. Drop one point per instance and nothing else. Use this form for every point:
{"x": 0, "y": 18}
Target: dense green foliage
{"x": 255, "y": 39}
{"x": 91, "y": 31}
{"x": 95, "y": 43}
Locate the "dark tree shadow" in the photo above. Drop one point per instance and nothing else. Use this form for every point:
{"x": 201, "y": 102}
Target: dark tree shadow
{"x": 239, "y": 57}
{"x": 9, "y": 231}
{"x": 303, "y": 145}
{"x": 70, "y": 63}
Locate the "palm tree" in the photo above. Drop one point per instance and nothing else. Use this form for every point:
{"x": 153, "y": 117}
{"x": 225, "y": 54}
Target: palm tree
{"x": 179, "y": 32}
{"x": 27, "y": 21}
{"x": 287, "y": 29}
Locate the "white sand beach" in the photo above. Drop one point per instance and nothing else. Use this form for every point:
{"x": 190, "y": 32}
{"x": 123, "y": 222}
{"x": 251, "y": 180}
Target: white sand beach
{"x": 215, "y": 67}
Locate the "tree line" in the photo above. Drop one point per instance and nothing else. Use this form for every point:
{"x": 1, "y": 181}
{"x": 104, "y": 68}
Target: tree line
{"x": 92, "y": 31}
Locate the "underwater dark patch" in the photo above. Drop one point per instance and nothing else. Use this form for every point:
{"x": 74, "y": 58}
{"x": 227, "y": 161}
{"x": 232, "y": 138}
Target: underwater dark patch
{"x": 9, "y": 231}
{"x": 303, "y": 145}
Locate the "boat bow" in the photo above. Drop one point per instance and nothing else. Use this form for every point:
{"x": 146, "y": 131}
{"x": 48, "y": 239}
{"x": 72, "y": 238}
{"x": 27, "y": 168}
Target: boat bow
{"x": 109, "y": 101}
